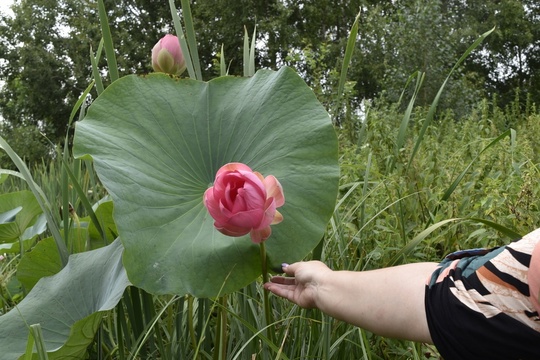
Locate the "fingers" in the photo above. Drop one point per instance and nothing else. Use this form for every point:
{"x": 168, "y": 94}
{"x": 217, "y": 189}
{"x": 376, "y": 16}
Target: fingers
{"x": 283, "y": 280}
{"x": 285, "y": 291}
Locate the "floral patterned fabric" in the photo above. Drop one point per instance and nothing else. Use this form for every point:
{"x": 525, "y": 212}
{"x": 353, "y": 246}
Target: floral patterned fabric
{"x": 483, "y": 304}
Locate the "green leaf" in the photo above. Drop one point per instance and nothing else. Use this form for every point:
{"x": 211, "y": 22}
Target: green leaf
{"x": 4, "y": 176}
{"x": 14, "y": 247}
{"x": 349, "y": 49}
{"x": 38, "y": 228}
{"x": 157, "y": 143}
{"x": 35, "y": 330}
{"x": 107, "y": 41}
{"x": 10, "y": 204}
{"x": 45, "y": 205}
{"x": 104, "y": 215}
{"x": 68, "y": 306}
{"x": 9, "y": 216}
{"x": 407, "y": 249}
{"x": 191, "y": 37}
{"x": 98, "y": 81}
{"x": 42, "y": 261}
{"x": 182, "y": 39}
{"x": 28, "y": 237}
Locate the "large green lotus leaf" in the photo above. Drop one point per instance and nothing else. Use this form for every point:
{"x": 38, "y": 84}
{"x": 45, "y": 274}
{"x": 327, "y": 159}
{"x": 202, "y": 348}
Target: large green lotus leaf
{"x": 104, "y": 214}
{"x": 43, "y": 260}
{"x": 13, "y": 230}
{"x": 28, "y": 236}
{"x": 68, "y": 305}
{"x": 157, "y": 143}
{"x": 9, "y": 216}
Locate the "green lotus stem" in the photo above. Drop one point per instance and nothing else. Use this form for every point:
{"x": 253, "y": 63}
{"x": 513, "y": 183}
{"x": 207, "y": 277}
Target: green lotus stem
{"x": 267, "y": 312}
{"x": 221, "y": 330}
{"x": 190, "y": 322}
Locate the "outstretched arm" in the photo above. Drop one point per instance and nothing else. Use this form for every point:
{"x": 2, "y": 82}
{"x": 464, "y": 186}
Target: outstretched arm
{"x": 388, "y": 302}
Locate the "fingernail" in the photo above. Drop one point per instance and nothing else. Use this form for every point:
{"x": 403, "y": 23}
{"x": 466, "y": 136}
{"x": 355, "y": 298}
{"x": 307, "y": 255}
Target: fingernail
{"x": 284, "y": 265}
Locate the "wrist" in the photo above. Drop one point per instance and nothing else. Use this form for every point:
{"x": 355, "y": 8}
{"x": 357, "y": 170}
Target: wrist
{"x": 323, "y": 289}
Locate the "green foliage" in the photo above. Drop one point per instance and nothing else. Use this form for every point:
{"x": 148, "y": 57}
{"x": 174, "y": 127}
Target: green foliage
{"x": 409, "y": 195}
{"x": 27, "y": 141}
{"x": 68, "y": 305}
{"x": 25, "y": 211}
{"x": 41, "y": 262}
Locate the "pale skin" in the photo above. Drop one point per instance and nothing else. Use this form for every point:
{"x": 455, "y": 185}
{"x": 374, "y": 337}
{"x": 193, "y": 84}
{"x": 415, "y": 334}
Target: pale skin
{"x": 387, "y": 302}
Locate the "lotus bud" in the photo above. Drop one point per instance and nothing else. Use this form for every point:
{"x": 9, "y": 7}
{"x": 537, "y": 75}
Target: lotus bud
{"x": 167, "y": 56}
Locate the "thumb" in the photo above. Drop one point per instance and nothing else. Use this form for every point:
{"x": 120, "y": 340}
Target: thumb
{"x": 289, "y": 269}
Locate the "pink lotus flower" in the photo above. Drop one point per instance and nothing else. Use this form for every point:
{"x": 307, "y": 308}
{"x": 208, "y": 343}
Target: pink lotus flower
{"x": 167, "y": 56}
{"x": 243, "y": 201}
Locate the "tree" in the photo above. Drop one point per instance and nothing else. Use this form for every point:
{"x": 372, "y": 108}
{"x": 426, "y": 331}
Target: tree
{"x": 511, "y": 56}
{"x": 45, "y": 48}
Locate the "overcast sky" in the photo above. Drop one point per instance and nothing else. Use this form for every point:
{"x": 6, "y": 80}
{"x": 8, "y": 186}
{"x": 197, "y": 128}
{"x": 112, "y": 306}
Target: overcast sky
{"x": 4, "y": 6}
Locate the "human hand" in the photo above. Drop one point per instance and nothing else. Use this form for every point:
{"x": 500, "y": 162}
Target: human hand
{"x": 302, "y": 284}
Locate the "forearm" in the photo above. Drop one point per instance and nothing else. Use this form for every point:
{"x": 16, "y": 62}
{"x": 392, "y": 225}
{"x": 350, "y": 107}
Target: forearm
{"x": 343, "y": 296}
{"x": 389, "y": 302}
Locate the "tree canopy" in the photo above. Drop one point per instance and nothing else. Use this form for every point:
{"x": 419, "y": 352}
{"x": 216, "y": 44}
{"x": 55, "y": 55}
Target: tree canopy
{"x": 45, "y": 50}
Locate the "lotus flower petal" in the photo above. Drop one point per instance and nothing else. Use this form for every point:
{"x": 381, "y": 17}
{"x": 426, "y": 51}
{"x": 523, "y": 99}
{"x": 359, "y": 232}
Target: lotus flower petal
{"x": 242, "y": 201}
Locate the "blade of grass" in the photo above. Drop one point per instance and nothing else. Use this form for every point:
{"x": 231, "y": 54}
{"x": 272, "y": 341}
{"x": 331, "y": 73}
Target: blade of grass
{"x": 191, "y": 39}
{"x": 122, "y": 318}
{"x": 78, "y": 104}
{"x": 258, "y": 333}
{"x": 94, "y": 60}
{"x": 182, "y": 39}
{"x": 400, "y": 141}
{"x": 84, "y": 200}
{"x": 246, "y": 52}
{"x": 118, "y": 315}
{"x": 365, "y": 190}
{"x": 216, "y": 304}
{"x": 222, "y": 64}
{"x": 456, "y": 182}
{"x": 340, "y": 342}
{"x": 40, "y": 343}
{"x": 349, "y": 49}
{"x": 153, "y": 318}
{"x": 41, "y": 199}
{"x": 11, "y": 172}
{"x": 107, "y": 41}
{"x": 502, "y": 229}
{"x": 252, "y": 53}
{"x": 364, "y": 342}
{"x": 29, "y": 347}
{"x": 434, "y": 104}
{"x": 65, "y": 210}
{"x": 407, "y": 249}
{"x": 132, "y": 300}
{"x": 326, "y": 332}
